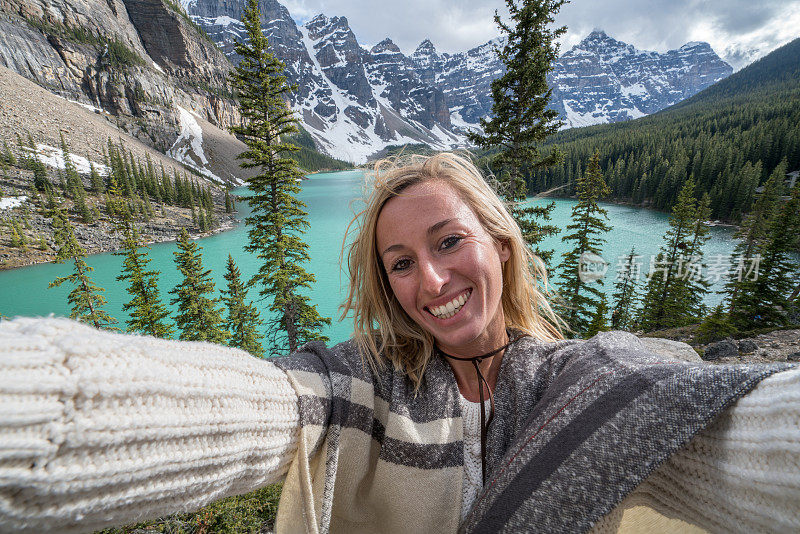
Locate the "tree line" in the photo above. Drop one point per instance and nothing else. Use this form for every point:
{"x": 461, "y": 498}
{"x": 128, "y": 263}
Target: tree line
{"x": 728, "y": 143}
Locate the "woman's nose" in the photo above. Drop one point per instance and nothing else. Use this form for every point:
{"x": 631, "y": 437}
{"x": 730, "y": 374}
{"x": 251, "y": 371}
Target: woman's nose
{"x": 434, "y": 276}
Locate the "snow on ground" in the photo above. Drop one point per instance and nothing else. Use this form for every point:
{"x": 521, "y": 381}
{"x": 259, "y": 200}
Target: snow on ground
{"x": 83, "y": 105}
{"x": 188, "y": 147}
{"x": 158, "y": 67}
{"x": 11, "y": 202}
{"x": 53, "y": 157}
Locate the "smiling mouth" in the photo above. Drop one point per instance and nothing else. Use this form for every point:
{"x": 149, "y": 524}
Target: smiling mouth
{"x": 445, "y": 311}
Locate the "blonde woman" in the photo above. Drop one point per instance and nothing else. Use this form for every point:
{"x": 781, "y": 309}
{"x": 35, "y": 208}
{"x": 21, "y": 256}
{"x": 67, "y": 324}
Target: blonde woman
{"x": 456, "y": 405}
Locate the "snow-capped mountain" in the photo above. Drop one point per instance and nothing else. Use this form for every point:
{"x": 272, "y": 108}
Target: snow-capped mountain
{"x": 605, "y": 80}
{"x": 355, "y": 101}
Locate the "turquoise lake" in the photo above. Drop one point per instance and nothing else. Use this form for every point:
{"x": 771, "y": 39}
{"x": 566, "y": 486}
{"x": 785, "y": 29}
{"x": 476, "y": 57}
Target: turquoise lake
{"x": 332, "y": 199}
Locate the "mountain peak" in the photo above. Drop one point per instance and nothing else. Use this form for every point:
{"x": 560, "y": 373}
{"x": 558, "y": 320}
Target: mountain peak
{"x": 385, "y": 46}
{"x": 426, "y": 47}
{"x": 696, "y": 45}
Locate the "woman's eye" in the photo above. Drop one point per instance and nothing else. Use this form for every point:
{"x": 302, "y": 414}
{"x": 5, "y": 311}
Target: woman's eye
{"x": 401, "y": 265}
{"x": 450, "y": 241}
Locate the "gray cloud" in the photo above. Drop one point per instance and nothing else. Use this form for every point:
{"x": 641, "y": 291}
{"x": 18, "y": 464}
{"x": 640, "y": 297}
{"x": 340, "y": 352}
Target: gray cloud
{"x": 739, "y": 30}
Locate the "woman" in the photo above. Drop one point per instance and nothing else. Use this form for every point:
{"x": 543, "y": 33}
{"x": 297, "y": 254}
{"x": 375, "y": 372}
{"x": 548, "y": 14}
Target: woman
{"x": 387, "y": 432}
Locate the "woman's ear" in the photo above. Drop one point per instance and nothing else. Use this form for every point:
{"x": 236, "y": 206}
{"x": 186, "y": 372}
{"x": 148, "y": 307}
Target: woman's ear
{"x": 503, "y": 250}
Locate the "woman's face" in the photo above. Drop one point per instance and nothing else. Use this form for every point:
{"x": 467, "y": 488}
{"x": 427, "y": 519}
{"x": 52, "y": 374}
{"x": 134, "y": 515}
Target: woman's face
{"x": 444, "y": 268}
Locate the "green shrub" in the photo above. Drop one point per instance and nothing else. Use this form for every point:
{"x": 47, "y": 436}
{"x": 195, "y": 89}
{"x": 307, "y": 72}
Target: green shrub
{"x": 242, "y": 514}
{"x": 119, "y": 54}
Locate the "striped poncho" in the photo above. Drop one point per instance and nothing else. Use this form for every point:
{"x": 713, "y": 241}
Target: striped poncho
{"x": 578, "y": 426}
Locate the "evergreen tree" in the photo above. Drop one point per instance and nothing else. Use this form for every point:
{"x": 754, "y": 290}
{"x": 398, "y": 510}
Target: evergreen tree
{"x": 96, "y": 180}
{"x": 8, "y": 155}
{"x": 243, "y": 320}
{"x": 751, "y": 236}
{"x": 765, "y": 297}
{"x": 277, "y": 220}
{"x": 198, "y": 317}
{"x": 694, "y": 285}
{"x": 675, "y": 275}
{"x": 74, "y": 184}
{"x": 228, "y": 203}
{"x": 86, "y": 298}
{"x": 580, "y": 296}
{"x": 625, "y": 298}
{"x": 520, "y": 119}
{"x": 715, "y": 326}
{"x": 599, "y": 323}
{"x": 147, "y": 312}
{"x": 40, "y": 179}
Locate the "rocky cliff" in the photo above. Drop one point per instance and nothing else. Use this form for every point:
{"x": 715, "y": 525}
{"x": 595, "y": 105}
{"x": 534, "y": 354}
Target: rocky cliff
{"x": 139, "y": 60}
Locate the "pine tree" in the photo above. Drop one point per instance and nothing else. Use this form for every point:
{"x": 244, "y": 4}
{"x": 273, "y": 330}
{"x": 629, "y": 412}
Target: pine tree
{"x": 74, "y": 184}
{"x": 751, "y": 236}
{"x": 520, "y": 119}
{"x": 277, "y": 220}
{"x": 147, "y": 312}
{"x": 228, "y": 203}
{"x": 674, "y": 279}
{"x": 8, "y": 155}
{"x": 624, "y": 298}
{"x": 198, "y": 317}
{"x": 86, "y": 298}
{"x": 599, "y": 323}
{"x": 96, "y": 180}
{"x": 243, "y": 320}
{"x": 765, "y": 298}
{"x": 579, "y": 295}
{"x": 715, "y": 326}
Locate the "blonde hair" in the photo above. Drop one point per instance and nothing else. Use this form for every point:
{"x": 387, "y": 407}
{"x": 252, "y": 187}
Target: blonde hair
{"x": 383, "y": 330}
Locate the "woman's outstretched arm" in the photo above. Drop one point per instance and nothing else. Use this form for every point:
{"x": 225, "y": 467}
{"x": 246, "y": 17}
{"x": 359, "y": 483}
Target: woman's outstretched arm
{"x": 740, "y": 474}
{"x": 100, "y": 429}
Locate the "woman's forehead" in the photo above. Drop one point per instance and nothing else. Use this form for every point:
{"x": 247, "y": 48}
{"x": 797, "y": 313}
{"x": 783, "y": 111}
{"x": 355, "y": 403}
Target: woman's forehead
{"x": 426, "y": 200}
{"x": 420, "y": 208}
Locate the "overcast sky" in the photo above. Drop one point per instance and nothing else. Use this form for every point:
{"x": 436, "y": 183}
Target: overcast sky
{"x": 740, "y": 31}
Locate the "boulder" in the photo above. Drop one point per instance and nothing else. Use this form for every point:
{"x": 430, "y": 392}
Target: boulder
{"x": 726, "y": 348}
{"x": 793, "y": 357}
{"x": 671, "y": 349}
{"x": 747, "y": 346}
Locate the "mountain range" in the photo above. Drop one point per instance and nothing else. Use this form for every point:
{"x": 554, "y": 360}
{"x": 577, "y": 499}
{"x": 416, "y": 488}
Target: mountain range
{"x": 147, "y": 65}
{"x": 356, "y": 100}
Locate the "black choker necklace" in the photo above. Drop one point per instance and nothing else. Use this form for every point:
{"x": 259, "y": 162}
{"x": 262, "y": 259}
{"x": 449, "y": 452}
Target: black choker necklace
{"x": 476, "y": 360}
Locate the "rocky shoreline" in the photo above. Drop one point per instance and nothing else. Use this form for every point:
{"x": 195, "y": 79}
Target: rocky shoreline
{"x": 97, "y": 237}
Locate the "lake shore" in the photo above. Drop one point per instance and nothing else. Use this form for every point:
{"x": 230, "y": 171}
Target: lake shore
{"x": 97, "y": 237}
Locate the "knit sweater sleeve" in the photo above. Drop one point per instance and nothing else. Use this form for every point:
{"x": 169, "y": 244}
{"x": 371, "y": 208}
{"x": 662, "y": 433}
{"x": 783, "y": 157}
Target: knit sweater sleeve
{"x": 100, "y": 429}
{"x": 741, "y": 473}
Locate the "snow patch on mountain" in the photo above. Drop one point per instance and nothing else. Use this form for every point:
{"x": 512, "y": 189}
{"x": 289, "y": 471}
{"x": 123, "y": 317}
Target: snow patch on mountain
{"x": 8, "y": 203}
{"x": 188, "y": 147}
{"x": 54, "y": 157}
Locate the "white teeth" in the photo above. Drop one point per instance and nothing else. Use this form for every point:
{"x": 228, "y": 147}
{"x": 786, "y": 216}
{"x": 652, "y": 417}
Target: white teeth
{"x": 451, "y": 308}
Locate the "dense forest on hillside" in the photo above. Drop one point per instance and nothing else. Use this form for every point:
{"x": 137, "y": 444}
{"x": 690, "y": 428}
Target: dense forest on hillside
{"x": 728, "y": 138}
{"x": 311, "y": 159}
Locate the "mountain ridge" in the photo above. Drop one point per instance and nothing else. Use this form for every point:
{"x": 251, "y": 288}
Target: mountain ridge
{"x": 356, "y": 100}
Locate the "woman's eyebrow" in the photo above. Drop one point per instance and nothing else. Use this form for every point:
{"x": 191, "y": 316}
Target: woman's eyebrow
{"x": 438, "y": 226}
{"x": 432, "y": 230}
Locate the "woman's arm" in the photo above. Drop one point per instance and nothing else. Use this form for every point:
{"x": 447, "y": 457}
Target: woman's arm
{"x": 740, "y": 474}
{"x": 101, "y": 429}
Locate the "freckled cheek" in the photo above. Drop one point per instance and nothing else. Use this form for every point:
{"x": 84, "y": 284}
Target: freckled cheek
{"x": 404, "y": 293}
